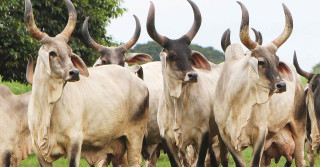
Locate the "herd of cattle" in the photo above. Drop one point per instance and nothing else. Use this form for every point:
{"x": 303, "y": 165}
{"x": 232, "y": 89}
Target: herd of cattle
{"x": 196, "y": 111}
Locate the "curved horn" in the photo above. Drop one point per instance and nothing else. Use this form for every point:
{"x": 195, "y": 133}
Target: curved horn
{"x": 287, "y": 30}
{"x": 72, "y": 19}
{"x": 225, "y": 40}
{"x": 197, "y": 21}
{"x": 88, "y": 38}
{"x": 258, "y": 36}
{"x": 299, "y": 70}
{"x": 29, "y": 73}
{"x": 161, "y": 40}
{"x": 244, "y": 29}
{"x": 30, "y": 24}
{"x": 135, "y": 37}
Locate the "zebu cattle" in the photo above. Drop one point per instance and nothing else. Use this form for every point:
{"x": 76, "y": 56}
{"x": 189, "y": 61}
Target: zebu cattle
{"x": 88, "y": 117}
{"x": 313, "y": 105}
{"x": 183, "y": 118}
{"x": 152, "y": 76}
{"x": 117, "y": 55}
{"x": 246, "y": 106}
{"x": 15, "y": 139}
{"x": 282, "y": 143}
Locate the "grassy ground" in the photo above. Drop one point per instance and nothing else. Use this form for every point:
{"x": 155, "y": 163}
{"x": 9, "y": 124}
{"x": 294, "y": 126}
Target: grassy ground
{"x": 163, "y": 161}
{"x": 32, "y": 161}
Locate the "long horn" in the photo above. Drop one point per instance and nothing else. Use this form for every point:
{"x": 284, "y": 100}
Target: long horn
{"x": 88, "y": 38}
{"x": 197, "y": 21}
{"x": 29, "y": 74}
{"x": 135, "y": 36}
{"x": 225, "y": 40}
{"x": 244, "y": 29}
{"x": 258, "y": 36}
{"x": 72, "y": 19}
{"x": 161, "y": 40}
{"x": 299, "y": 70}
{"x": 29, "y": 21}
{"x": 287, "y": 30}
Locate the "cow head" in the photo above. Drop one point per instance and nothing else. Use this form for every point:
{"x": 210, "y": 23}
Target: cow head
{"x": 177, "y": 58}
{"x": 313, "y": 101}
{"x": 55, "y": 54}
{"x": 117, "y": 55}
{"x": 263, "y": 58}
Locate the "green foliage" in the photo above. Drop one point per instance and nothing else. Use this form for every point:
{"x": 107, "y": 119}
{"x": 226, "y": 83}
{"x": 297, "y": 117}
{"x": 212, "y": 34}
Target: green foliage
{"x": 51, "y": 17}
{"x": 316, "y": 69}
{"x": 153, "y": 49}
{"x": 16, "y": 87}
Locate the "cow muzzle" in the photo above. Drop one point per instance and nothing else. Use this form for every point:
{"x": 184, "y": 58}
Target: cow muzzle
{"x": 281, "y": 87}
{"x": 73, "y": 76}
{"x": 191, "y": 77}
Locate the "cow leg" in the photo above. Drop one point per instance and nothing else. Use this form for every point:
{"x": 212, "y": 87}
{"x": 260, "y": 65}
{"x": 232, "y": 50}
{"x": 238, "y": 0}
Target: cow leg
{"x": 172, "y": 152}
{"x": 265, "y": 160}
{"x": 212, "y": 157}
{"x": 203, "y": 151}
{"x": 310, "y": 154}
{"x": 5, "y": 159}
{"x": 224, "y": 153}
{"x": 134, "y": 146}
{"x": 74, "y": 153}
{"x": 155, "y": 152}
{"x": 258, "y": 146}
{"x": 237, "y": 156}
{"x": 298, "y": 134}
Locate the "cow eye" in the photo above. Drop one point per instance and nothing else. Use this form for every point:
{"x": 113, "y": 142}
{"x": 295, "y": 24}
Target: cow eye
{"x": 260, "y": 62}
{"x": 52, "y": 53}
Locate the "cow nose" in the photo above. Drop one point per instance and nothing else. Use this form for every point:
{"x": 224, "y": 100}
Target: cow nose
{"x": 74, "y": 74}
{"x": 193, "y": 76}
{"x": 281, "y": 86}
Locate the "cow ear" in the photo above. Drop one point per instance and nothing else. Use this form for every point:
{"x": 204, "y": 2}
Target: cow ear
{"x": 138, "y": 58}
{"x": 29, "y": 73}
{"x": 285, "y": 72}
{"x": 79, "y": 64}
{"x": 137, "y": 70}
{"x": 163, "y": 58}
{"x": 254, "y": 64}
{"x": 45, "y": 58}
{"x": 199, "y": 61}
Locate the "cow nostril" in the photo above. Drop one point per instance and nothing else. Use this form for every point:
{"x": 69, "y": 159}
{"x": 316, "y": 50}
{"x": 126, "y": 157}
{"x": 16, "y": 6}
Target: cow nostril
{"x": 193, "y": 75}
{"x": 74, "y": 72}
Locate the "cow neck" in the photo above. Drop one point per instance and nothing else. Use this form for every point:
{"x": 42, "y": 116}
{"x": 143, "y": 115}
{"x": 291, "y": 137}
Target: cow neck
{"x": 46, "y": 92}
{"x": 174, "y": 95}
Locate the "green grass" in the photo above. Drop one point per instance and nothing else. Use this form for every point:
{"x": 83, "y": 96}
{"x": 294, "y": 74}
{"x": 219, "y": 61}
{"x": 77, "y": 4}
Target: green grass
{"x": 16, "y": 87}
{"x": 32, "y": 161}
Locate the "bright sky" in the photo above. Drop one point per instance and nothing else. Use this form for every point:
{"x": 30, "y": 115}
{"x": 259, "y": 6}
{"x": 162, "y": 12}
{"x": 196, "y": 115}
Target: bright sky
{"x": 174, "y": 18}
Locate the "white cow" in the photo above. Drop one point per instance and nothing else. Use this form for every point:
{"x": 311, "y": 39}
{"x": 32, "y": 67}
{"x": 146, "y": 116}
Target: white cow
{"x": 15, "y": 139}
{"x": 186, "y": 102}
{"x": 88, "y": 117}
{"x": 152, "y": 76}
{"x": 245, "y": 106}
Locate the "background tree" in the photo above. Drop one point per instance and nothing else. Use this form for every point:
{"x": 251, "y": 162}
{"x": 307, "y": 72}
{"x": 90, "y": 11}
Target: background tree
{"x": 153, "y": 49}
{"x": 51, "y": 16}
